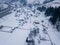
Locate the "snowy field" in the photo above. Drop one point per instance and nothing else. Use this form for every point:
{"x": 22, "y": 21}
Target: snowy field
{"x": 16, "y": 27}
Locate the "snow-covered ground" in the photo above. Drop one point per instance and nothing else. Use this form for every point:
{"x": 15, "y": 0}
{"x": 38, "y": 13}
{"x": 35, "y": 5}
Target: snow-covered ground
{"x": 17, "y": 26}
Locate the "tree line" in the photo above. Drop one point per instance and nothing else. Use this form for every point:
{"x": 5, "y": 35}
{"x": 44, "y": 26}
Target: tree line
{"x": 54, "y": 13}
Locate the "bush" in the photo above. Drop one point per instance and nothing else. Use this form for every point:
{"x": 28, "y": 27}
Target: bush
{"x": 41, "y": 8}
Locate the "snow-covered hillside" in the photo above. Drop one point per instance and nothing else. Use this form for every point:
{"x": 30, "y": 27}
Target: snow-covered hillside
{"x": 28, "y": 26}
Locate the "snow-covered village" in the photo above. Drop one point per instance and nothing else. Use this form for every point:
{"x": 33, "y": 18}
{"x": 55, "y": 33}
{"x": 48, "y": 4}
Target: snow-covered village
{"x": 29, "y": 22}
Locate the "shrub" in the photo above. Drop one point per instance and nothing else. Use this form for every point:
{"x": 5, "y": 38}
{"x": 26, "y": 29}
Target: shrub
{"x": 41, "y": 8}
